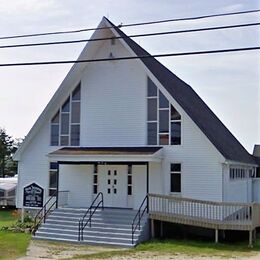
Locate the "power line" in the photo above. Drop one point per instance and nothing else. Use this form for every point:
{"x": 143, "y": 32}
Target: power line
{"x": 129, "y": 25}
{"x": 131, "y": 36}
{"x": 129, "y": 58}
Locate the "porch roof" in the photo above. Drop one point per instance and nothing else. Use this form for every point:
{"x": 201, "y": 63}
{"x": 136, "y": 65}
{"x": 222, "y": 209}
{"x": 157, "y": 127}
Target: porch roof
{"x": 143, "y": 153}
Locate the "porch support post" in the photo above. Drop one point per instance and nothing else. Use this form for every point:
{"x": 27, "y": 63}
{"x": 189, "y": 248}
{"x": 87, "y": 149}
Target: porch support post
{"x": 22, "y": 215}
{"x": 147, "y": 177}
{"x": 57, "y": 188}
{"x": 152, "y": 228}
{"x": 161, "y": 230}
{"x": 216, "y": 235}
{"x": 250, "y": 238}
{"x": 254, "y": 238}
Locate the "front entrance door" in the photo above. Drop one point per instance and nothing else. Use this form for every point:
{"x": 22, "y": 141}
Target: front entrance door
{"x": 113, "y": 184}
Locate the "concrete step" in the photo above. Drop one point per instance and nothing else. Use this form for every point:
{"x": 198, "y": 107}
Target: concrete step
{"x": 72, "y": 221}
{"x": 101, "y": 238}
{"x": 88, "y": 242}
{"x": 96, "y": 227}
{"x": 96, "y": 214}
{"x": 108, "y": 227}
{"x": 90, "y": 231}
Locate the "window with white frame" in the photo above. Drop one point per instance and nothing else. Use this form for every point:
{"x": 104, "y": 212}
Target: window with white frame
{"x": 129, "y": 180}
{"x": 241, "y": 173}
{"x": 175, "y": 178}
{"x": 65, "y": 124}
{"x": 163, "y": 120}
{"x": 53, "y": 178}
{"x": 95, "y": 179}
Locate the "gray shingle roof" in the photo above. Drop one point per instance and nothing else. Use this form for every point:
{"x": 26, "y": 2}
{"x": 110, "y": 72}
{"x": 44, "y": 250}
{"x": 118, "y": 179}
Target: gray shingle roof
{"x": 194, "y": 106}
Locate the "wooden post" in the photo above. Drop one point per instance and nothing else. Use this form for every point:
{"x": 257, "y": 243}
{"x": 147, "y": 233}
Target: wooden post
{"x": 216, "y": 235}
{"x": 152, "y": 228}
{"x": 161, "y": 230}
{"x": 250, "y": 238}
{"x": 22, "y": 215}
{"x": 254, "y": 238}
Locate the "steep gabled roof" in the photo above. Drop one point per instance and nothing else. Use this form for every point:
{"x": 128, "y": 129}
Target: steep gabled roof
{"x": 186, "y": 97}
{"x": 193, "y": 105}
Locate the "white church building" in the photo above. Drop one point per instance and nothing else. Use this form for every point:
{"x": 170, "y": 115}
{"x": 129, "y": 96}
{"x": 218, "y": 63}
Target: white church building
{"x": 120, "y": 130}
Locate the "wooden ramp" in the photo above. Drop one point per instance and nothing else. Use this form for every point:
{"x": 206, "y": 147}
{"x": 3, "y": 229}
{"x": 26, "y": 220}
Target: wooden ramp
{"x": 207, "y": 214}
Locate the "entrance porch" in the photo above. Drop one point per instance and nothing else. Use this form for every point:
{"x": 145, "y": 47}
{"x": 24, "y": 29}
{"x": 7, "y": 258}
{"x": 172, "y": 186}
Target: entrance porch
{"x": 122, "y": 174}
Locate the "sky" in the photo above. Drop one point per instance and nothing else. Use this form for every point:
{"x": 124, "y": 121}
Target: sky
{"x": 228, "y": 83}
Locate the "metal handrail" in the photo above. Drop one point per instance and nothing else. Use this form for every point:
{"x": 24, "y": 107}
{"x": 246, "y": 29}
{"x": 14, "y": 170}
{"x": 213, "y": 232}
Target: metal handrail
{"x": 44, "y": 211}
{"x": 91, "y": 213}
{"x": 139, "y": 214}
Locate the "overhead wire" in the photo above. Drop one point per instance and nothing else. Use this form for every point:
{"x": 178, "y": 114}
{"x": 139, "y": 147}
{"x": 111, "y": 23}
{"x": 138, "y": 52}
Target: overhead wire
{"x": 130, "y": 24}
{"x": 130, "y": 58}
{"x": 130, "y": 36}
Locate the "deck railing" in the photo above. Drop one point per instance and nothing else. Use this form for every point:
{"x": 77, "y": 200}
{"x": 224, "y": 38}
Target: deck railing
{"x": 202, "y": 210}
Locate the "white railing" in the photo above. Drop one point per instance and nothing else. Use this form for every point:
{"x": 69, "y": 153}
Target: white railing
{"x": 209, "y": 211}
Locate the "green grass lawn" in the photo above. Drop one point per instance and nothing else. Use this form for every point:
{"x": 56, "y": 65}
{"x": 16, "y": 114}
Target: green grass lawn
{"x": 7, "y": 217}
{"x": 187, "y": 247}
{"x": 12, "y": 245}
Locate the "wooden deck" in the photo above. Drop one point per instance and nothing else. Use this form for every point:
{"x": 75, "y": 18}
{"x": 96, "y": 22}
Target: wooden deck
{"x": 207, "y": 214}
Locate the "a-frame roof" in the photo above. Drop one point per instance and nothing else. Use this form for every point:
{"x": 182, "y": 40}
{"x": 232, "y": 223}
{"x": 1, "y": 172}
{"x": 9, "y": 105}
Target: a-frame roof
{"x": 193, "y": 105}
{"x": 186, "y": 97}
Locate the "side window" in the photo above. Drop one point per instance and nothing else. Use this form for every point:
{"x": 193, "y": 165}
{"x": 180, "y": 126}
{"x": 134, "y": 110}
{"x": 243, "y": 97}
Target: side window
{"x": 163, "y": 120}
{"x": 53, "y": 178}
{"x": 175, "y": 177}
{"x": 65, "y": 124}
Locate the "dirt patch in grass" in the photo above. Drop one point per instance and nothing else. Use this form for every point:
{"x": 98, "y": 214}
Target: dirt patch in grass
{"x": 56, "y": 250}
{"x": 170, "y": 250}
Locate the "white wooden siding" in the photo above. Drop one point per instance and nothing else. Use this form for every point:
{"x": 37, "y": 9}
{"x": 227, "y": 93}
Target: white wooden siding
{"x": 113, "y": 101}
{"x": 155, "y": 178}
{"x": 256, "y": 190}
{"x": 34, "y": 165}
{"x": 139, "y": 184}
{"x": 237, "y": 190}
{"x": 201, "y": 163}
{"x": 78, "y": 180}
{"x": 114, "y": 113}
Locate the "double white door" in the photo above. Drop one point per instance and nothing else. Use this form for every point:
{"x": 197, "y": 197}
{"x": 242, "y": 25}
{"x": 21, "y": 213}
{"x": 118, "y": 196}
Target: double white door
{"x": 113, "y": 184}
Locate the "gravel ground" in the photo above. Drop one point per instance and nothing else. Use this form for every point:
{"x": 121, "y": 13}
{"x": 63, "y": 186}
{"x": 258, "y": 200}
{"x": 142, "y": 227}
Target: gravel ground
{"x": 49, "y": 250}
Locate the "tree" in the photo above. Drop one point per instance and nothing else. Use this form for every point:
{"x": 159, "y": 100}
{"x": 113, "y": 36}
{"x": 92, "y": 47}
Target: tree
{"x": 8, "y": 146}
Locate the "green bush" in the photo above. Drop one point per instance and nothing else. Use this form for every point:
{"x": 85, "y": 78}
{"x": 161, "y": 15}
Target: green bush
{"x": 19, "y": 226}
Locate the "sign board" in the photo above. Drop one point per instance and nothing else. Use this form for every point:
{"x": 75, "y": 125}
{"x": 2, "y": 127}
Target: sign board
{"x": 33, "y": 196}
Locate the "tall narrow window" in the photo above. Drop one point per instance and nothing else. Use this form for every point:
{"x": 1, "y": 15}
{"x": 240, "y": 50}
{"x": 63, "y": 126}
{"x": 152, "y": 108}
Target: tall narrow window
{"x": 65, "y": 125}
{"x": 175, "y": 177}
{"x": 55, "y": 129}
{"x": 163, "y": 120}
{"x": 53, "y": 178}
{"x": 175, "y": 127}
{"x": 129, "y": 180}
{"x": 95, "y": 179}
